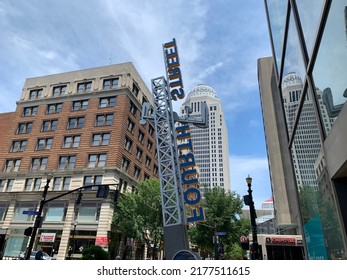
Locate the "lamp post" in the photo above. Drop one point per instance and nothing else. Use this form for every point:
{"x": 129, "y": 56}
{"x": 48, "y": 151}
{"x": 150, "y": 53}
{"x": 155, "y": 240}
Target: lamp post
{"x": 73, "y": 241}
{"x": 254, "y": 247}
{"x": 38, "y": 218}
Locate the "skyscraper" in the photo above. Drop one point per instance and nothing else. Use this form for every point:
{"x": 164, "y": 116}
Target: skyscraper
{"x": 210, "y": 144}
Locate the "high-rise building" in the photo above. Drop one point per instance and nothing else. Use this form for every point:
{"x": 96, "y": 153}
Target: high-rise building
{"x": 305, "y": 81}
{"x": 82, "y": 128}
{"x": 210, "y": 144}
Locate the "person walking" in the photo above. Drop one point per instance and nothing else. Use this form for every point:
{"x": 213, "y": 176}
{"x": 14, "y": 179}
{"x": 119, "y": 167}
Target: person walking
{"x": 39, "y": 255}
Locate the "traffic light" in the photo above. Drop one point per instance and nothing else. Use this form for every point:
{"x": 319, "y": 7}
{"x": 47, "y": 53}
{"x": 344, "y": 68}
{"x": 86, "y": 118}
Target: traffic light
{"x": 79, "y": 197}
{"x": 245, "y": 245}
{"x": 247, "y": 200}
{"x": 28, "y": 231}
{"x": 102, "y": 191}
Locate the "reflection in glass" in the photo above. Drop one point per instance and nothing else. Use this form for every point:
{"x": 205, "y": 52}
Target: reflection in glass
{"x": 330, "y": 69}
{"x": 277, "y": 12}
{"x": 321, "y": 228}
{"x": 310, "y": 12}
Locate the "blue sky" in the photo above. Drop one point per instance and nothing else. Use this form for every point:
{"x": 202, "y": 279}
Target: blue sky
{"x": 218, "y": 41}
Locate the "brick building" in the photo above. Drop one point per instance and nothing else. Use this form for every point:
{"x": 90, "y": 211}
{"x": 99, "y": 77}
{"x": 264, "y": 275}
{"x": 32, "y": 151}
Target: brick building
{"x": 82, "y": 128}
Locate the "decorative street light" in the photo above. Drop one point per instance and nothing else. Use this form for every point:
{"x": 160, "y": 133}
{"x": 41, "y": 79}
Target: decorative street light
{"x": 254, "y": 246}
{"x": 38, "y": 219}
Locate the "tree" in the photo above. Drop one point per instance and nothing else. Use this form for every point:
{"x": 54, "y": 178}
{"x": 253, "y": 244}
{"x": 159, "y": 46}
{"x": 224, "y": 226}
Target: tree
{"x": 139, "y": 214}
{"x": 95, "y": 253}
{"x": 222, "y": 215}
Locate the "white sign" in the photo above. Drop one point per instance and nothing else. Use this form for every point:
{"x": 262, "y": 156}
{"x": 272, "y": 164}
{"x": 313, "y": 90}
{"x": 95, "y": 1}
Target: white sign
{"x": 47, "y": 237}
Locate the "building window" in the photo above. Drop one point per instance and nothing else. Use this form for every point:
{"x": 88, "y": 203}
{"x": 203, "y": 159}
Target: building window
{"x": 125, "y": 164}
{"x": 67, "y": 162}
{"x": 101, "y": 139}
{"x": 149, "y": 145}
{"x": 137, "y": 172}
{"x": 97, "y": 160}
{"x": 50, "y": 125}
{"x": 139, "y": 153}
{"x": 128, "y": 143}
{"x": 56, "y": 183}
{"x": 55, "y": 212}
{"x": 84, "y": 87}
{"x": 133, "y": 109}
{"x": 30, "y": 111}
{"x": 150, "y": 130}
{"x": 24, "y": 206}
{"x": 72, "y": 141}
{"x": 92, "y": 180}
{"x": 54, "y": 108}
{"x": 110, "y": 84}
{"x": 24, "y": 128}
{"x": 130, "y": 125}
{"x": 105, "y": 119}
{"x": 105, "y": 102}
{"x": 18, "y": 146}
{"x": 135, "y": 90}
{"x": 80, "y": 105}
{"x": 146, "y": 176}
{"x": 28, "y": 185}
{"x": 141, "y": 136}
{"x": 59, "y": 90}
{"x": 89, "y": 212}
{"x": 35, "y": 94}
{"x": 37, "y": 184}
{"x": 6, "y": 185}
{"x": 2, "y": 185}
{"x": 44, "y": 144}
{"x": 155, "y": 170}
{"x": 12, "y": 165}
{"x": 76, "y": 122}
{"x": 66, "y": 183}
{"x": 148, "y": 161}
{"x": 39, "y": 163}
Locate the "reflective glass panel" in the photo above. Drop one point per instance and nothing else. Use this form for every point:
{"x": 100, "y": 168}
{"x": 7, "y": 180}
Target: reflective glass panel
{"x": 293, "y": 76}
{"x": 277, "y": 15}
{"x": 309, "y": 12}
{"x": 330, "y": 69}
{"x": 319, "y": 215}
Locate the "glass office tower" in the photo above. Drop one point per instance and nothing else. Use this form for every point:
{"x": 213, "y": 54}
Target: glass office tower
{"x": 309, "y": 46}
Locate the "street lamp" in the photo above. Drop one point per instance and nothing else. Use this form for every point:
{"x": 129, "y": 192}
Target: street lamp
{"x": 254, "y": 246}
{"x": 73, "y": 241}
{"x": 38, "y": 218}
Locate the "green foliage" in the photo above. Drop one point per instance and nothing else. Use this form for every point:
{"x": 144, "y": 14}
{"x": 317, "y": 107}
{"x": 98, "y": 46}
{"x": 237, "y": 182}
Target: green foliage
{"x": 95, "y": 253}
{"x": 139, "y": 213}
{"x": 222, "y": 215}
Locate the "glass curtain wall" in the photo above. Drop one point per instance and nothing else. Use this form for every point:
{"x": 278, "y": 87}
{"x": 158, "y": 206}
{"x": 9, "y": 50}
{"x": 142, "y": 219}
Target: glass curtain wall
{"x": 309, "y": 42}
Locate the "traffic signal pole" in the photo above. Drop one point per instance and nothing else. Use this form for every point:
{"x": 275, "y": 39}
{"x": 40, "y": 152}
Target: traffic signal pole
{"x": 102, "y": 192}
{"x": 38, "y": 218}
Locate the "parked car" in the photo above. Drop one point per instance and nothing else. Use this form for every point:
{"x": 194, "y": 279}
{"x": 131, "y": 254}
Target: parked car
{"x": 32, "y": 256}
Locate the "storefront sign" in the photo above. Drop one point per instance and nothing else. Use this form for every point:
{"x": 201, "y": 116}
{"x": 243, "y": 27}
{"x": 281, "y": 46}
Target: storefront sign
{"x": 47, "y": 237}
{"x": 281, "y": 240}
{"x": 101, "y": 240}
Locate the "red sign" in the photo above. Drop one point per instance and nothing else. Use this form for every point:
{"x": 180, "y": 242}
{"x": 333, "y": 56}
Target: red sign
{"x": 47, "y": 237}
{"x": 281, "y": 240}
{"x": 101, "y": 240}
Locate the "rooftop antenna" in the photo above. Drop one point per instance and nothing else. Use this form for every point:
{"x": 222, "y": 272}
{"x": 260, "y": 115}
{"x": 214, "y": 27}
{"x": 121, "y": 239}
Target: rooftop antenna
{"x": 110, "y": 60}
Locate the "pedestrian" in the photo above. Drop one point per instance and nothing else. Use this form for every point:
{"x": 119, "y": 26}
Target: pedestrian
{"x": 39, "y": 255}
